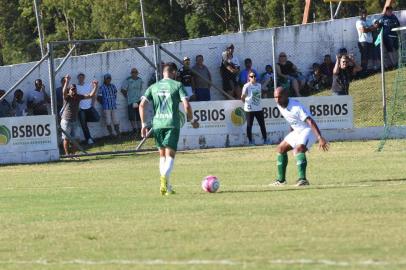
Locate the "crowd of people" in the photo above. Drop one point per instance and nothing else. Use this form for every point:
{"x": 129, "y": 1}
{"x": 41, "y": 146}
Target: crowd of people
{"x": 75, "y": 103}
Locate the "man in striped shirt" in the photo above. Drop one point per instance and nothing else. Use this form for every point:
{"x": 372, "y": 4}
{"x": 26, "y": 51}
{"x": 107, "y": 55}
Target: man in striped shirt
{"x": 108, "y": 98}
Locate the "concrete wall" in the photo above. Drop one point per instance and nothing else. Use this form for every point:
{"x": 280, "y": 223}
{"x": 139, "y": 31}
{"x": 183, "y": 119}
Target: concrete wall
{"x": 304, "y": 44}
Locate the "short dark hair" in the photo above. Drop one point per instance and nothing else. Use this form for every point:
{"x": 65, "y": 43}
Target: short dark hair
{"x": 327, "y": 55}
{"x": 199, "y": 55}
{"x": 247, "y": 60}
{"x": 19, "y": 91}
{"x": 363, "y": 11}
{"x": 388, "y": 8}
{"x": 37, "y": 81}
{"x": 170, "y": 66}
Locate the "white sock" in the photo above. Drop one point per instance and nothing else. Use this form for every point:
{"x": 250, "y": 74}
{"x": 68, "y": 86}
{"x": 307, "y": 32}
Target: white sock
{"x": 162, "y": 166}
{"x": 168, "y": 169}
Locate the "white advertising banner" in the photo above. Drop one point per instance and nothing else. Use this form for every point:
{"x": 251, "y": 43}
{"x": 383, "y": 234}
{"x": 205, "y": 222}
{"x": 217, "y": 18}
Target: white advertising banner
{"x": 228, "y": 117}
{"x": 29, "y": 134}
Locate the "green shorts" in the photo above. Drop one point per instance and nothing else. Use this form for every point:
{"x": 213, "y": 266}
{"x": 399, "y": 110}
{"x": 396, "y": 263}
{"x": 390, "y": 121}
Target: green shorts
{"x": 167, "y": 137}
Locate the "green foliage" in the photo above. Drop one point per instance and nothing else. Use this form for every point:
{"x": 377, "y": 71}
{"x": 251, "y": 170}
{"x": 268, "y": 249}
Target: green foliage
{"x": 166, "y": 19}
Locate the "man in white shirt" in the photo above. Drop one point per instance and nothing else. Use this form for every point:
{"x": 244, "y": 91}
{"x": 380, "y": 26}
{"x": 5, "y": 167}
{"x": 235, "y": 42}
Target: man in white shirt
{"x": 86, "y": 112}
{"x": 365, "y": 40}
{"x": 304, "y": 134}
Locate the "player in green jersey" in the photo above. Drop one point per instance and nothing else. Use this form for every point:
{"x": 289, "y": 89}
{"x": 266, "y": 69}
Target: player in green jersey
{"x": 165, "y": 97}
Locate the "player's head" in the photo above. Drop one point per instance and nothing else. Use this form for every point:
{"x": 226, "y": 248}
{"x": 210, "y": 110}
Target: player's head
{"x": 281, "y": 96}
{"x": 169, "y": 70}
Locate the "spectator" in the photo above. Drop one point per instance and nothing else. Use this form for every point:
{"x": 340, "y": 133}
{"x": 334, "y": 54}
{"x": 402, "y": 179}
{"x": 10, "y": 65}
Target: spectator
{"x": 365, "y": 45}
{"x": 229, "y": 69}
{"x": 108, "y": 99}
{"x": 316, "y": 80}
{"x": 251, "y": 96}
{"x": 288, "y": 71}
{"x": 201, "y": 87}
{"x": 389, "y": 38}
{"x": 376, "y": 50}
{"x": 70, "y": 113}
{"x": 87, "y": 112}
{"x": 185, "y": 75}
{"x": 327, "y": 68}
{"x": 5, "y": 107}
{"x": 343, "y": 73}
{"x": 132, "y": 90}
{"x": 248, "y": 69}
{"x": 19, "y": 104}
{"x": 267, "y": 82}
{"x": 38, "y": 99}
{"x": 59, "y": 96}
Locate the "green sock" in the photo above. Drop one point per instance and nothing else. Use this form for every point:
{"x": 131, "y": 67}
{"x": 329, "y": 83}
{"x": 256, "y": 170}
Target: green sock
{"x": 282, "y": 162}
{"x": 301, "y": 163}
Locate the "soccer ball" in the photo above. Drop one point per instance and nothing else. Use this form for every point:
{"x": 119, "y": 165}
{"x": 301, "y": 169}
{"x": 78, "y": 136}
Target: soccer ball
{"x": 210, "y": 184}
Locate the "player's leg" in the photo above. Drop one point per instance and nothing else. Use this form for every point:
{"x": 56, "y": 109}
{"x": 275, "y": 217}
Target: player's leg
{"x": 169, "y": 163}
{"x": 162, "y": 164}
{"x": 304, "y": 140}
{"x": 282, "y": 160}
{"x": 250, "y": 121}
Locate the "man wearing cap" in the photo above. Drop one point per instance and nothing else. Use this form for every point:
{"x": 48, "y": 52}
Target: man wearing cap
{"x": 185, "y": 76}
{"x": 87, "y": 113}
{"x": 132, "y": 90}
{"x": 108, "y": 98}
{"x": 229, "y": 69}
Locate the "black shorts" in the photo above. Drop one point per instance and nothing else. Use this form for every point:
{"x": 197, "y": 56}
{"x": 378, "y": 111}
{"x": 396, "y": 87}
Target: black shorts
{"x": 133, "y": 114}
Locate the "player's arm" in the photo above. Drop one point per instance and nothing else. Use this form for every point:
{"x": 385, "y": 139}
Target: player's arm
{"x": 142, "y": 110}
{"x": 323, "y": 144}
{"x": 189, "y": 113}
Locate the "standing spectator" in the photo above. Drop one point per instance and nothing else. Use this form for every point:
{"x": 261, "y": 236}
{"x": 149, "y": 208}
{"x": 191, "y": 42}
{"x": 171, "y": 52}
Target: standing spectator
{"x": 185, "y": 75}
{"x": 376, "y": 50}
{"x": 267, "y": 82}
{"x": 19, "y": 104}
{"x": 342, "y": 74}
{"x": 87, "y": 112}
{"x": 288, "y": 71}
{"x": 229, "y": 69}
{"x": 59, "y": 96}
{"x": 389, "y": 38}
{"x": 316, "y": 80}
{"x": 201, "y": 87}
{"x": 38, "y": 99}
{"x": 248, "y": 69}
{"x": 327, "y": 68}
{"x": 132, "y": 90}
{"x": 108, "y": 99}
{"x": 70, "y": 113}
{"x": 251, "y": 96}
{"x": 5, "y": 107}
{"x": 365, "y": 45}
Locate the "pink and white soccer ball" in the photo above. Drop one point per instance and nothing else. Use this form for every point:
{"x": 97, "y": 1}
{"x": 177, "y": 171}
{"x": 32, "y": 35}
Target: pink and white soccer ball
{"x": 210, "y": 184}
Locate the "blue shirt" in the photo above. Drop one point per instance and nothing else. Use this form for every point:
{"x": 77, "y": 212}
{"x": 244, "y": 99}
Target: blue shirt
{"x": 109, "y": 96}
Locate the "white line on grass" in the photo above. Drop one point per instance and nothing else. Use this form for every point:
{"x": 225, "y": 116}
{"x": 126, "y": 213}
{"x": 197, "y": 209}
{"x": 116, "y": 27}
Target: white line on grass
{"x": 210, "y": 262}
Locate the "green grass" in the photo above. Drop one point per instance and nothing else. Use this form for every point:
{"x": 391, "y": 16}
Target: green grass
{"x": 108, "y": 211}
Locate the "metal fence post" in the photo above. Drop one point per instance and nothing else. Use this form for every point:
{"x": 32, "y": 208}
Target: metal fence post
{"x": 51, "y": 71}
{"x": 275, "y": 77}
{"x": 383, "y": 85}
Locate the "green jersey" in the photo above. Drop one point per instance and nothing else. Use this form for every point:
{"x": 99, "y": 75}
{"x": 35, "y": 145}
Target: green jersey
{"x": 165, "y": 96}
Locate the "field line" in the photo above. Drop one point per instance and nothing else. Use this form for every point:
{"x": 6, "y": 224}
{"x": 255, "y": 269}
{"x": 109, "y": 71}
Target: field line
{"x": 343, "y": 264}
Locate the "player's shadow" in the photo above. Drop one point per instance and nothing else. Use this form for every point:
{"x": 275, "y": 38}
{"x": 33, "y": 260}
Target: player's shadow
{"x": 287, "y": 189}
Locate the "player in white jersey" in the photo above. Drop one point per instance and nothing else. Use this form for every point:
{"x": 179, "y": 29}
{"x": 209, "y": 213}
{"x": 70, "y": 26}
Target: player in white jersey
{"x": 304, "y": 134}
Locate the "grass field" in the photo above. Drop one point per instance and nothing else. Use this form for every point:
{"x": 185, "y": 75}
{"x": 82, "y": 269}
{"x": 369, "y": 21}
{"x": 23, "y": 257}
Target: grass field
{"x": 106, "y": 213}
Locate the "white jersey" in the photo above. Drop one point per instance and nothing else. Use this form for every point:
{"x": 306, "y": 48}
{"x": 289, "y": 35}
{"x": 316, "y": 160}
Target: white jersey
{"x": 253, "y": 97}
{"x": 84, "y": 90}
{"x": 295, "y": 113}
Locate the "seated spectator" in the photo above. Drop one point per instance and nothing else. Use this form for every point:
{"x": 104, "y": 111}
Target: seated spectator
{"x": 185, "y": 75}
{"x": 38, "y": 99}
{"x": 316, "y": 80}
{"x": 19, "y": 104}
{"x": 201, "y": 87}
{"x": 243, "y": 78}
{"x": 229, "y": 69}
{"x": 267, "y": 82}
{"x": 326, "y": 68}
{"x": 132, "y": 90}
{"x": 288, "y": 71}
{"x": 108, "y": 98}
{"x": 5, "y": 107}
{"x": 69, "y": 118}
{"x": 343, "y": 73}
